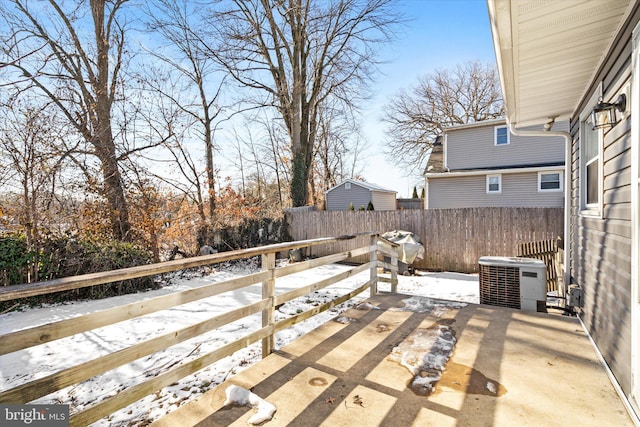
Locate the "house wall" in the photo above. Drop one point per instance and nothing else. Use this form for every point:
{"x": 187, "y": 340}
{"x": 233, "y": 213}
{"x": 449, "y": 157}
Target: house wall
{"x": 518, "y": 190}
{"x": 600, "y": 252}
{"x": 339, "y": 198}
{"x": 383, "y": 201}
{"x": 472, "y": 148}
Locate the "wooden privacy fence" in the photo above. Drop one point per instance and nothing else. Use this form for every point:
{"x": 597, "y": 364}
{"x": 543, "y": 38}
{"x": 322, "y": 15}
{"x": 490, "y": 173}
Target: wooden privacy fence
{"x": 26, "y": 338}
{"x": 454, "y": 239}
{"x": 547, "y": 251}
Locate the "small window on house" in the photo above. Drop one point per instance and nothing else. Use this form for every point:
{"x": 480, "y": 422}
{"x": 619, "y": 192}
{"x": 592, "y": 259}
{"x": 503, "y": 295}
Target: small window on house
{"x": 494, "y": 184}
{"x": 501, "y": 135}
{"x": 590, "y": 163}
{"x": 549, "y": 181}
{"x": 347, "y": 186}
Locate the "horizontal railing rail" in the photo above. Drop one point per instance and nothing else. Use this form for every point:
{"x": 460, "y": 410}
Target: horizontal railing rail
{"x": 26, "y": 338}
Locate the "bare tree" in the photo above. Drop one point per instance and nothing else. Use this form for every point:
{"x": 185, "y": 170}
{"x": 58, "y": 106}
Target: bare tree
{"x": 338, "y": 147}
{"x": 161, "y": 117}
{"x": 262, "y": 145}
{"x": 417, "y": 116}
{"x": 74, "y": 57}
{"x": 30, "y": 165}
{"x": 296, "y": 53}
{"x": 279, "y": 153}
{"x": 180, "y": 24}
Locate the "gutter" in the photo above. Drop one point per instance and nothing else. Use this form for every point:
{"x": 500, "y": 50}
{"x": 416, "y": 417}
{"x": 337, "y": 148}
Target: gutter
{"x": 493, "y": 170}
{"x": 567, "y": 185}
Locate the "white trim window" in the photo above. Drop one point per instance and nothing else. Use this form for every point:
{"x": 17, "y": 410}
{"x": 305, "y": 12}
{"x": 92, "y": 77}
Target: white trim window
{"x": 590, "y": 163}
{"x": 501, "y": 135}
{"x": 494, "y": 184}
{"x": 347, "y": 186}
{"x": 549, "y": 181}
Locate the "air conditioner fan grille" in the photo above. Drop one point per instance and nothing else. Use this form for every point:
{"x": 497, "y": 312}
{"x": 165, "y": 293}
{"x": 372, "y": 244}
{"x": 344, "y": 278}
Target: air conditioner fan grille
{"x": 500, "y": 286}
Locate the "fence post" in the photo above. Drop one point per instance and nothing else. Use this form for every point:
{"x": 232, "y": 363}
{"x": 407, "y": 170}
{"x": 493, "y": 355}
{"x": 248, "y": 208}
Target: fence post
{"x": 268, "y": 292}
{"x": 560, "y": 267}
{"x": 394, "y": 273}
{"x": 373, "y": 260}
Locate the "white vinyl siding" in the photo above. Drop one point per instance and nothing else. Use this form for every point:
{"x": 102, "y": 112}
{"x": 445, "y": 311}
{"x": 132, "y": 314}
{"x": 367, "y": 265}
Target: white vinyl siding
{"x": 473, "y": 147}
{"x": 383, "y": 201}
{"x": 518, "y": 190}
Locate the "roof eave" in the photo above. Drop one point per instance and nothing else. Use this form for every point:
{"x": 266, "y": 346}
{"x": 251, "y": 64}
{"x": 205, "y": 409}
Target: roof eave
{"x": 515, "y": 48}
{"x": 494, "y": 171}
{"x": 500, "y": 17}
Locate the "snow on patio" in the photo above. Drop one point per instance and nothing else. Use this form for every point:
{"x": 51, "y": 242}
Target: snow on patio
{"x": 36, "y": 362}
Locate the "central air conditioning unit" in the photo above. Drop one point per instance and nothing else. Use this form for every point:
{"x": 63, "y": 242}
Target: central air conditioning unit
{"x": 519, "y": 283}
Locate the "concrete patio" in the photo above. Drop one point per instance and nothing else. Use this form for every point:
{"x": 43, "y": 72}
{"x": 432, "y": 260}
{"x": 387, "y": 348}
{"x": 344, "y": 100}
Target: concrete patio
{"x": 508, "y": 367}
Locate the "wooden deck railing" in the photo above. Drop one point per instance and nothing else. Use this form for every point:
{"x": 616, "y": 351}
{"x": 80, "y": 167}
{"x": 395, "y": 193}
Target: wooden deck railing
{"x": 30, "y": 337}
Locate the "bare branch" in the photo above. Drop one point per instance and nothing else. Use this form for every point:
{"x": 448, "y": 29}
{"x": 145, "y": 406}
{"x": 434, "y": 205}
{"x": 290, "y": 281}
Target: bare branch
{"x": 74, "y": 72}
{"x": 418, "y": 115}
{"x": 301, "y": 53}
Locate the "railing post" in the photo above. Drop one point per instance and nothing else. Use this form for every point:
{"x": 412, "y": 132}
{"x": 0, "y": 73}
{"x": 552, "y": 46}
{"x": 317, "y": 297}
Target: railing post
{"x": 268, "y": 292}
{"x": 373, "y": 260}
{"x": 560, "y": 267}
{"x": 394, "y": 273}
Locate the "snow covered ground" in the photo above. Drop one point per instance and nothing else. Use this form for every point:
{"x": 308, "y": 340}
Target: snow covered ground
{"x": 36, "y": 362}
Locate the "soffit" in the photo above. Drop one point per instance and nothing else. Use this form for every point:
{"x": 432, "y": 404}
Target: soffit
{"x": 548, "y": 52}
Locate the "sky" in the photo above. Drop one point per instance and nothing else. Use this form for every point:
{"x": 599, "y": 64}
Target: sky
{"x": 441, "y": 34}
{"x": 438, "y": 34}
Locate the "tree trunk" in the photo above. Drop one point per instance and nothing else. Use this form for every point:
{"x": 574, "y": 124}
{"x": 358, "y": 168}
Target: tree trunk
{"x": 311, "y": 50}
{"x": 299, "y": 176}
{"x": 103, "y": 138}
{"x": 211, "y": 181}
{"x": 113, "y": 189}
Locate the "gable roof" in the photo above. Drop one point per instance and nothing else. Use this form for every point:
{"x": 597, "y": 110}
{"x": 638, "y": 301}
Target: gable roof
{"x": 435, "y": 164}
{"x": 482, "y": 123}
{"x": 547, "y": 52}
{"x": 368, "y": 185}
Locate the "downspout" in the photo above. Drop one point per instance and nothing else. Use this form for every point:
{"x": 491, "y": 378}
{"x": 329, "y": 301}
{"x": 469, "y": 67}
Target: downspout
{"x": 567, "y": 184}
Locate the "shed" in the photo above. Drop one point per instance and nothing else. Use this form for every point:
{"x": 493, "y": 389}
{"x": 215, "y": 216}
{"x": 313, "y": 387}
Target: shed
{"x": 359, "y": 193}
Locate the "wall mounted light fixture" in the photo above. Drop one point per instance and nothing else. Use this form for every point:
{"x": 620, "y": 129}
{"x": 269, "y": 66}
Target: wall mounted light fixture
{"x": 605, "y": 113}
